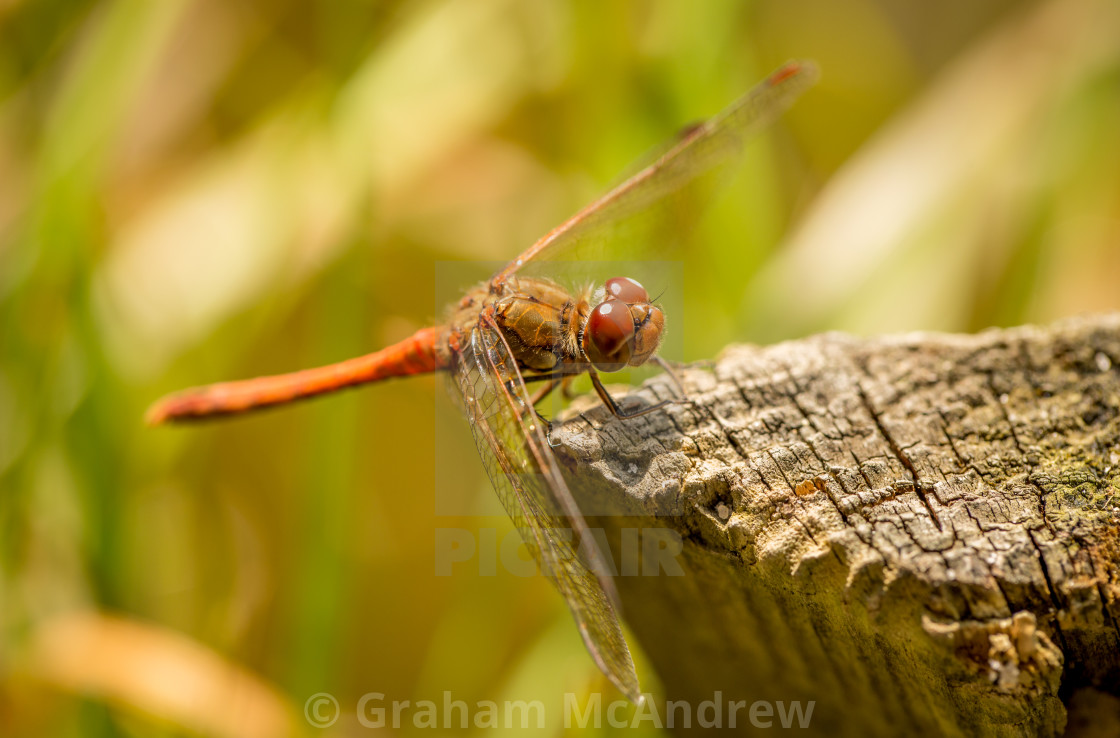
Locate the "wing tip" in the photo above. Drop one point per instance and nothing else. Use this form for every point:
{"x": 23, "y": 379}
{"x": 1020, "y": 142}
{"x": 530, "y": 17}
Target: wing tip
{"x": 628, "y": 684}
{"x": 806, "y": 69}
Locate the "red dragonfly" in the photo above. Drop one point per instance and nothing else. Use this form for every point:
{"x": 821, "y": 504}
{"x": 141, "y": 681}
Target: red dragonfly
{"x": 518, "y": 330}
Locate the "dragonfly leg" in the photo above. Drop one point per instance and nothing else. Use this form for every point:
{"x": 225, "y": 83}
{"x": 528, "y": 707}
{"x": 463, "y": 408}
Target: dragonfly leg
{"x": 547, "y": 427}
{"x": 530, "y": 378}
{"x": 668, "y": 369}
{"x": 566, "y": 387}
{"x": 551, "y": 381}
{"x": 561, "y": 379}
{"x": 547, "y": 423}
{"x": 548, "y": 437}
{"x": 544, "y": 391}
{"x": 613, "y": 406}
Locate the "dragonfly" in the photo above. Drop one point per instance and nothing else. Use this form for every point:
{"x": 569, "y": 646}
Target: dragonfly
{"x": 512, "y": 340}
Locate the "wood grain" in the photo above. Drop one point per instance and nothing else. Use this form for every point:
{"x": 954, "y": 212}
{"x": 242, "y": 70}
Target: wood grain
{"x": 920, "y": 533}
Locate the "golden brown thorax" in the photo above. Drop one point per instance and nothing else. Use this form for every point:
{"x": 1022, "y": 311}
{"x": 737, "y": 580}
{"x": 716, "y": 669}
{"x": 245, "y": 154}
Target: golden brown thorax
{"x": 542, "y": 323}
{"x": 539, "y": 319}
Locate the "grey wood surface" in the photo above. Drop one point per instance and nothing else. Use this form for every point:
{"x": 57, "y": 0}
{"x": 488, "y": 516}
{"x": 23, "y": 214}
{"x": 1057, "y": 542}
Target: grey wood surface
{"x": 918, "y": 533}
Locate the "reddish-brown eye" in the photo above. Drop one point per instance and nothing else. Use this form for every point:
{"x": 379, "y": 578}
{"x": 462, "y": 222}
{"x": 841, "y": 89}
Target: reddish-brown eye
{"x": 627, "y": 290}
{"x": 609, "y": 336}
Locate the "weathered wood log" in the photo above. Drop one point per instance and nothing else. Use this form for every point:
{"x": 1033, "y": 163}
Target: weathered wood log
{"x": 919, "y": 533}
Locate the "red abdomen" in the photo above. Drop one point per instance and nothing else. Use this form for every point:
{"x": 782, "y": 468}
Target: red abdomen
{"x": 420, "y": 353}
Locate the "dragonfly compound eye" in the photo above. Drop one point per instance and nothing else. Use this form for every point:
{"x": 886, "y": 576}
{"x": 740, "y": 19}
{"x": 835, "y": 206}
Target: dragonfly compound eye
{"x": 608, "y": 338}
{"x": 627, "y": 290}
{"x": 649, "y": 324}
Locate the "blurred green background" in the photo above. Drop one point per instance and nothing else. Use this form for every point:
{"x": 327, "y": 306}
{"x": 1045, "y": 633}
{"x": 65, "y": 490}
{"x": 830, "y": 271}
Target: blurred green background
{"x": 198, "y": 191}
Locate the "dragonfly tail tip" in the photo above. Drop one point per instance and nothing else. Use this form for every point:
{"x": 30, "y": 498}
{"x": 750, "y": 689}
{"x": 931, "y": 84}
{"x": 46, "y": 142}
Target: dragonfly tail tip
{"x": 157, "y": 413}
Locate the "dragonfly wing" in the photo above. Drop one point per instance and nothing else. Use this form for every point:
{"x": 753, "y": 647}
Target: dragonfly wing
{"x": 514, "y": 448}
{"x": 635, "y": 219}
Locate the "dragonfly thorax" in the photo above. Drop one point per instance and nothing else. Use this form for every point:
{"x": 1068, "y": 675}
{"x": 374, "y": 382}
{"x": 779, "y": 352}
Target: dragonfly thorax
{"x": 541, "y": 321}
{"x": 549, "y": 329}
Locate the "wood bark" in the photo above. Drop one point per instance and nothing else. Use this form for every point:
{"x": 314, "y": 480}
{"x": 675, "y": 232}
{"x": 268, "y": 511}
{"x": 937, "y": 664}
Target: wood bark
{"x": 918, "y": 533}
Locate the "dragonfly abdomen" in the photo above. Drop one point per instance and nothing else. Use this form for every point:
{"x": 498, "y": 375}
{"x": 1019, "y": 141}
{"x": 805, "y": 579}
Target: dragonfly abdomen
{"x": 423, "y": 352}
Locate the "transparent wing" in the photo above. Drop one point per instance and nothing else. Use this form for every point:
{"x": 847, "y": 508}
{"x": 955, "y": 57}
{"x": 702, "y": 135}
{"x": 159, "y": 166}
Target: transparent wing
{"x": 643, "y": 217}
{"x": 515, "y": 451}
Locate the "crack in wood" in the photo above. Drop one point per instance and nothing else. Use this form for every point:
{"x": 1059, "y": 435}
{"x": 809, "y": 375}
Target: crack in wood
{"x": 898, "y": 453}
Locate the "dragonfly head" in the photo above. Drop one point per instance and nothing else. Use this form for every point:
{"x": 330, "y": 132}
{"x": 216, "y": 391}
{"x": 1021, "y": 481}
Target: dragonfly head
{"x": 624, "y": 329}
